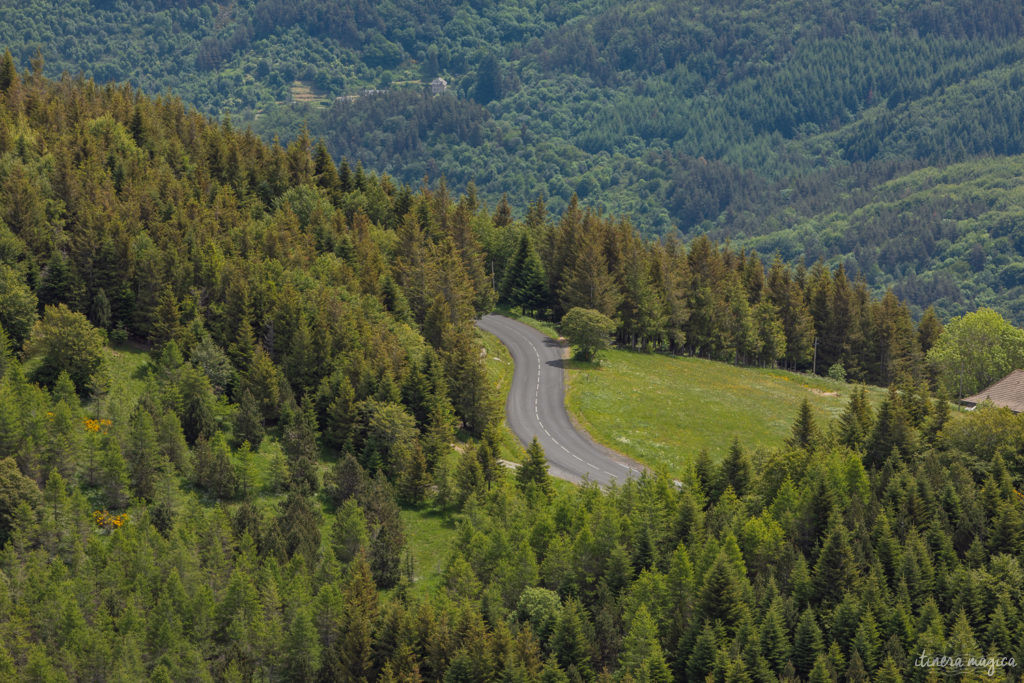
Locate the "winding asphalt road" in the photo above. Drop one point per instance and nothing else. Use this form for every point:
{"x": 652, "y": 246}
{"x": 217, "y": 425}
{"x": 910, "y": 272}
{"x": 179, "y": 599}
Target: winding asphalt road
{"x": 536, "y": 407}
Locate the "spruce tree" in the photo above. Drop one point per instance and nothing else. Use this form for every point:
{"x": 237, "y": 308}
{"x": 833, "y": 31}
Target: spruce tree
{"x": 349, "y": 534}
{"x": 820, "y": 671}
{"x": 735, "y": 470}
{"x": 145, "y": 463}
{"x": 570, "y": 641}
{"x": 805, "y": 432}
{"x": 867, "y": 641}
{"x": 641, "y": 655}
{"x": 302, "y": 646}
{"x": 835, "y": 568}
{"x": 892, "y": 432}
{"x": 166, "y": 321}
{"x": 489, "y": 454}
{"x": 701, "y": 661}
{"x": 807, "y": 642}
{"x": 8, "y": 71}
{"x": 248, "y": 421}
{"x": 589, "y": 283}
{"x": 720, "y": 597}
{"x": 355, "y": 645}
{"x": 524, "y": 283}
{"x": 534, "y": 470}
{"x": 774, "y": 639}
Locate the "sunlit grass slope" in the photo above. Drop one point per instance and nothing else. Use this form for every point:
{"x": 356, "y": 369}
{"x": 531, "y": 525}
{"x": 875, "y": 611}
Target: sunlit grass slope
{"x": 663, "y": 410}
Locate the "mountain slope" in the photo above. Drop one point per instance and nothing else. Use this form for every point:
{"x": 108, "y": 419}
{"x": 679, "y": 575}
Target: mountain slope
{"x": 743, "y": 119}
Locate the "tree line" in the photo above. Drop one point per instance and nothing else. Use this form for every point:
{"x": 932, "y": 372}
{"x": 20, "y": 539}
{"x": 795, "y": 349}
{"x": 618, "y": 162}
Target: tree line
{"x": 707, "y": 299}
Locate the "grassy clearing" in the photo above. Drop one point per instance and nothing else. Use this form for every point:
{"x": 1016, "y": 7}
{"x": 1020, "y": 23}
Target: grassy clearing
{"x": 429, "y": 536}
{"x": 663, "y": 410}
{"x": 124, "y": 372}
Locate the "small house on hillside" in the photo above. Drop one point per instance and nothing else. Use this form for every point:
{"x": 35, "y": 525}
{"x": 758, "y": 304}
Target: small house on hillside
{"x": 1006, "y": 393}
{"x": 438, "y": 86}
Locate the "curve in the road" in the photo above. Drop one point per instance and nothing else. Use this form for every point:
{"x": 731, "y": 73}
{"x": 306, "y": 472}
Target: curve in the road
{"x": 536, "y": 407}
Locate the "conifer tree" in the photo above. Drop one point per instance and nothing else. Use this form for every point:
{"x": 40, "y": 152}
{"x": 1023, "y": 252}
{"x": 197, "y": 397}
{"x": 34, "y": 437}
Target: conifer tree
{"x": 197, "y": 414}
{"x": 214, "y": 470}
{"x": 172, "y": 443}
{"x": 701, "y": 661}
{"x": 720, "y": 597}
{"x": 641, "y": 655}
{"x": 805, "y": 432}
{"x": 590, "y": 284}
{"x": 929, "y": 329}
{"x": 8, "y": 71}
{"x": 113, "y": 475}
{"x": 339, "y": 395}
{"x": 570, "y": 641}
{"x": 387, "y": 537}
{"x": 820, "y": 671}
{"x": 735, "y": 470}
{"x": 349, "y": 535}
{"x": 346, "y": 480}
{"x": 145, "y": 463}
{"x": 489, "y": 455}
{"x": 807, "y": 642}
{"x": 524, "y": 283}
{"x": 856, "y": 420}
{"x": 867, "y": 641}
{"x": 18, "y": 306}
{"x": 99, "y": 312}
{"x": 302, "y": 647}
{"x": 166, "y": 321}
{"x": 300, "y": 525}
{"x": 356, "y": 643}
{"x": 248, "y": 420}
{"x": 534, "y": 470}
{"x": 299, "y": 442}
{"x": 414, "y": 476}
{"x": 774, "y": 640}
{"x": 469, "y": 476}
{"x": 892, "y": 432}
{"x": 835, "y": 567}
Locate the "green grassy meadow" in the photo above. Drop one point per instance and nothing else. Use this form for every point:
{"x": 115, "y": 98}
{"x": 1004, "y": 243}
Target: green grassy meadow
{"x": 429, "y": 537}
{"x": 663, "y": 410}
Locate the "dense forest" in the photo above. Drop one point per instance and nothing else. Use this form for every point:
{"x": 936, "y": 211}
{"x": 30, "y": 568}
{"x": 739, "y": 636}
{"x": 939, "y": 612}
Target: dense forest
{"x": 230, "y": 511}
{"x": 849, "y": 132}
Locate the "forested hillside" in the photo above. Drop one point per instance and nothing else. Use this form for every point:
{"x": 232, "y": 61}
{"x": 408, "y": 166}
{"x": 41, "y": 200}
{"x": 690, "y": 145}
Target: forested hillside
{"x": 821, "y": 130}
{"x": 228, "y": 508}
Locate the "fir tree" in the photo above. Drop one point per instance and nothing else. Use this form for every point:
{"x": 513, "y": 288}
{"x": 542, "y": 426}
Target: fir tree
{"x": 349, "y": 534}
{"x": 570, "y": 641}
{"x": 805, "y": 432}
{"x": 892, "y": 432}
{"x": 701, "y": 661}
{"x": 807, "y": 642}
{"x": 735, "y": 470}
{"x": 835, "y": 567}
{"x": 590, "y": 284}
{"x": 145, "y": 463}
{"x": 8, "y": 71}
{"x": 641, "y": 655}
{"x": 248, "y": 421}
{"x": 534, "y": 470}
{"x": 867, "y": 641}
{"x": 720, "y": 597}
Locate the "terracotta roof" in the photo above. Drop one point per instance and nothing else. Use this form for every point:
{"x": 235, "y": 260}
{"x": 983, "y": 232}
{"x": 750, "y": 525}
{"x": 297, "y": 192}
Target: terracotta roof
{"x": 1006, "y": 393}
